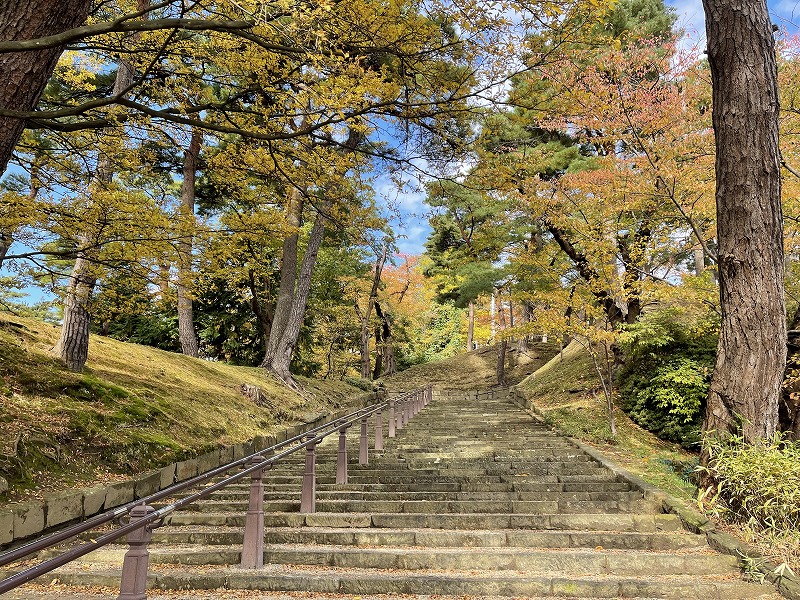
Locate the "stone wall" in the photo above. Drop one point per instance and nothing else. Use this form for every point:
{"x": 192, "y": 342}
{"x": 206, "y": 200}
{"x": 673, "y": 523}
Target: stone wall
{"x": 25, "y": 520}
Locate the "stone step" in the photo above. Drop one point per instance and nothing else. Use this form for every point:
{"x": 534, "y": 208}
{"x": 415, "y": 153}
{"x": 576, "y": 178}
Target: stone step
{"x": 620, "y": 522}
{"x": 451, "y": 507}
{"x": 579, "y": 562}
{"x": 477, "y": 584}
{"x": 325, "y": 495}
{"x": 446, "y": 487}
{"x": 222, "y": 535}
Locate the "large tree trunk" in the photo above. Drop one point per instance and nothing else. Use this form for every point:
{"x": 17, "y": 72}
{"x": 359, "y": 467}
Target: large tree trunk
{"x": 384, "y": 344}
{"x": 283, "y": 356}
{"x": 751, "y": 355}
{"x": 288, "y": 281}
{"x": 373, "y": 295}
{"x": 186, "y": 331}
{"x": 471, "y": 326}
{"x": 25, "y": 74}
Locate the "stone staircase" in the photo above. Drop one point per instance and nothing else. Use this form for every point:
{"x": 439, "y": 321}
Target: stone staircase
{"x": 472, "y": 498}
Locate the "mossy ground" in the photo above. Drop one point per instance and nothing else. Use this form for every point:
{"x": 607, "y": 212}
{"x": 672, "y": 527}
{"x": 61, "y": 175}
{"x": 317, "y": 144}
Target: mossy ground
{"x": 568, "y": 393}
{"x": 133, "y": 408}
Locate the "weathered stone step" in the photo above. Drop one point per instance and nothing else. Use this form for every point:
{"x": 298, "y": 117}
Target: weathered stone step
{"x": 453, "y": 507}
{"x": 499, "y": 583}
{"x": 380, "y": 496}
{"x": 449, "y": 487}
{"x": 620, "y": 522}
{"x": 435, "y": 538}
{"x": 579, "y": 562}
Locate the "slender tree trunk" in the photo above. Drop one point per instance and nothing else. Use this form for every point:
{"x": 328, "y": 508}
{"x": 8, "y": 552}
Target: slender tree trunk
{"x": 525, "y": 339}
{"x": 471, "y": 327}
{"x": 5, "y": 244}
{"x": 25, "y": 74}
{"x": 385, "y": 344}
{"x": 186, "y": 331}
{"x": 373, "y": 295}
{"x": 751, "y": 355}
{"x": 72, "y": 347}
{"x": 699, "y": 261}
{"x": 288, "y": 280}
{"x": 283, "y": 356}
{"x": 502, "y": 345}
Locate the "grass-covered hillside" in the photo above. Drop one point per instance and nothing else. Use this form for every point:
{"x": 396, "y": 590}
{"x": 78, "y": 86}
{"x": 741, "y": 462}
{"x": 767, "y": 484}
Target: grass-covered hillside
{"x": 133, "y": 408}
{"x": 473, "y": 370}
{"x": 568, "y": 394}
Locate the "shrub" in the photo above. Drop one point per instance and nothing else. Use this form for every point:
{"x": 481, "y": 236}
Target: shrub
{"x": 669, "y": 356}
{"x": 757, "y": 485}
{"x": 668, "y": 398}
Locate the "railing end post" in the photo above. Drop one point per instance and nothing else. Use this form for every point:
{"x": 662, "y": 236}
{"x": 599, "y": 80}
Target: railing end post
{"x": 137, "y": 558}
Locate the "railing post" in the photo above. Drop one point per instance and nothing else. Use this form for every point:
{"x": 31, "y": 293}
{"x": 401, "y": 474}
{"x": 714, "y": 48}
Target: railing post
{"x": 379, "y": 430}
{"x": 392, "y": 422}
{"x": 341, "y": 457}
{"x": 137, "y": 558}
{"x": 253, "y": 548}
{"x": 363, "y": 446}
{"x": 308, "y": 497}
{"x": 407, "y": 410}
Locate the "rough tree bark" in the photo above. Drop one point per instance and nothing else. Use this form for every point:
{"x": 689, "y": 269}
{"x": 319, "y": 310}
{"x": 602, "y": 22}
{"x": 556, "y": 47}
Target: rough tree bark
{"x": 525, "y": 339}
{"x": 288, "y": 279}
{"x": 72, "y": 347}
{"x": 25, "y": 74}
{"x": 385, "y": 359}
{"x": 751, "y": 355}
{"x": 373, "y": 295}
{"x": 186, "y": 331}
{"x": 280, "y": 363}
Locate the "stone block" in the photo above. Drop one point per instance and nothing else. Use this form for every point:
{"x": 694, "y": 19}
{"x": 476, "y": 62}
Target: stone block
{"x": 147, "y": 484}
{"x": 167, "y": 476}
{"x": 208, "y": 461}
{"x": 93, "y": 501}
{"x": 239, "y": 451}
{"x": 3, "y": 485}
{"x": 259, "y": 442}
{"x": 225, "y": 455}
{"x": 64, "y": 508}
{"x": 6, "y": 527}
{"x": 118, "y": 494}
{"x": 28, "y": 519}
{"x": 186, "y": 469}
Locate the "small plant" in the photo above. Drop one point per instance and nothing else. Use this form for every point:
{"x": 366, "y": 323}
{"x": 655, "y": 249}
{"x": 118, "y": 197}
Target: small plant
{"x": 758, "y": 488}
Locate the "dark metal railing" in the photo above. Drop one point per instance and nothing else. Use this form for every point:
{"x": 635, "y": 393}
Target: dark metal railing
{"x": 143, "y": 518}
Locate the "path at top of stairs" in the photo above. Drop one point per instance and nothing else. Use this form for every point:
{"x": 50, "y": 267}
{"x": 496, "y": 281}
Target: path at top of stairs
{"x": 472, "y": 498}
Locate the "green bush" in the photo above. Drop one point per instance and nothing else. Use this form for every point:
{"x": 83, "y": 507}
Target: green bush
{"x": 362, "y": 384}
{"x": 757, "y": 485}
{"x": 668, "y": 398}
{"x": 669, "y": 357}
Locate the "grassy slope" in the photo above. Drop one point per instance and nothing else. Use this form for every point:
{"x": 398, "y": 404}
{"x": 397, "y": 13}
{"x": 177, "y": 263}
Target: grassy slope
{"x": 133, "y": 408}
{"x": 473, "y": 370}
{"x": 568, "y": 393}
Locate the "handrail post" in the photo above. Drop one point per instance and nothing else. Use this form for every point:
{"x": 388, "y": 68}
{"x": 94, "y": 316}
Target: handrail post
{"x": 418, "y": 402}
{"x": 341, "y": 457}
{"x": 363, "y": 446}
{"x": 429, "y": 395}
{"x": 253, "y": 548}
{"x": 392, "y": 423}
{"x": 379, "y": 430}
{"x": 308, "y": 497}
{"x": 137, "y": 558}
{"x": 407, "y": 410}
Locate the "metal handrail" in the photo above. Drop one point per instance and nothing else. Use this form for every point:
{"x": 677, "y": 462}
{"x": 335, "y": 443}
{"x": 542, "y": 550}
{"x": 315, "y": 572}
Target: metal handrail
{"x": 312, "y": 436}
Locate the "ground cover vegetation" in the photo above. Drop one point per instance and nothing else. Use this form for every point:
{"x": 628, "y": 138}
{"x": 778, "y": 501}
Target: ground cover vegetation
{"x": 203, "y": 177}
